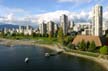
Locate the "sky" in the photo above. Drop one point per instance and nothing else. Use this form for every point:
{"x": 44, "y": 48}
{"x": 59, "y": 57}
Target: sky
{"x": 33, "y": 12}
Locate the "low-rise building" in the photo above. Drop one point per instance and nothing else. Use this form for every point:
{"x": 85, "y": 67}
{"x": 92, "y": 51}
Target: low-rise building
{"x": 87, "y": 38}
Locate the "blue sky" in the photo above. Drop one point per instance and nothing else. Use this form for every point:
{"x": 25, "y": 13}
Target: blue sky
{"x": 24, "y": 8}
{"x": 42, "y": 6}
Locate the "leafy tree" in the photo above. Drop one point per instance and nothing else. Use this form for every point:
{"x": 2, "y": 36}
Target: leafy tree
{"x": 70, "y": 46}
{"x": 92, "y": 46}
{"x": 2, "y": 34}
{"x": 7, "y": 34}
{"x": 87, "y": 45}
{"x": 13, "y": 34}
{"x": 104, "y": 50}
{"x": 20, "y": 34}
{"x": 60, "y": 35}
{"x": 67, "y": 40}
{"x": 50, "y": 35}
{"x": 55, "y": 34}
{"x": 33, "y": 34}
{"x": 82, "y": 45}
{"x": 44, "y": 35}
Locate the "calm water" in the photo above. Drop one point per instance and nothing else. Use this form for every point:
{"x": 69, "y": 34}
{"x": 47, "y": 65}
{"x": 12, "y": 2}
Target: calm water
{"x": 12, "y": 59}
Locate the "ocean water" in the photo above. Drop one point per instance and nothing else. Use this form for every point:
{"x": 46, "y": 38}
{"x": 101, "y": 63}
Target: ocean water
{"x": 12, "y": 59}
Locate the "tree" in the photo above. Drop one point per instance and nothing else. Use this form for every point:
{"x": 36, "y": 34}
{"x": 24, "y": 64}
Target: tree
{"x": 104, "y": 50}
{"x": 82, "y": 45}
{"x": 33, "y": 34}
{"x": 87, "y": 45}
{"x": 67, "y": 40}
{"x": 56, "y": 33}
{"x": 60, "y": 35}
{"x": 13, "y": 34}
{"x": 70, "y": 46}
{"x": 50, "y": 35}
{"x": 92, "y": 46}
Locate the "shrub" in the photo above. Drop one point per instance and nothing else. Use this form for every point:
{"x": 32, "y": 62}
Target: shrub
{"x": 82, "y": 45}
{"x": 67, "y": 40}
{"x": 92, "y": 46}
{"x": 70, "y": 46}
{"x": 87, "y": 45}
{"x": 104, "y": 50}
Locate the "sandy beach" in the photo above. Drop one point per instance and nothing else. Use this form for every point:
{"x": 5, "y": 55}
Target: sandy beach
{"x": 8, "y": 42}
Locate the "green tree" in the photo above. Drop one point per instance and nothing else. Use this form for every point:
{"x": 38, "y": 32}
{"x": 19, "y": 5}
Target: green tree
{"x": 2, "y": 34}
{"x": 13, "y": 34}
{"x": 67, "y": 40}
{"x": 104, "y": 50}
{"x": 92, "y": 46}
{"x": 33, "y": 34}
{"x": 60, "y": 35}
{"x": 55, "y": 34}
{"x": 70, "y": 46}
{"x": 87, "y": 45}
{"x": 82, "y": 45}
{"x": 50, "y": 35}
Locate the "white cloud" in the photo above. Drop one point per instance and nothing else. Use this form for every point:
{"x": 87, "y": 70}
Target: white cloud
{"x": 82, "y": 16}
{"x": 11, "y": 15}
{"x": 5, "y": 10}
{"x": 17, "y": 16}
{"x": 55, "y": 16}
{"x": 50, "y": 16}
{"x": 105, "y": 15}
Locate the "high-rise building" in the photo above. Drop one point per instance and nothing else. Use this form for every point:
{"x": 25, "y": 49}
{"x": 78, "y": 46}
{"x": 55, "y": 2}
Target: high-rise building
{"x": 55, "y": 28}
{"x": 21, "y": 29}
{"x": 71, "y": 24}
{"x": 51, "y": 27}
{"x": 64, "y": 23}
{"x": 28, "y": 27}
{"x": 28, "y": 30}
{"x": 97, "y": 21}
{"x": 42, "y": 28}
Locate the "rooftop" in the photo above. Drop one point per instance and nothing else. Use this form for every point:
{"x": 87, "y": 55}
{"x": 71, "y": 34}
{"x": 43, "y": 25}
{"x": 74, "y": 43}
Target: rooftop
{"x": 87, "y": 38}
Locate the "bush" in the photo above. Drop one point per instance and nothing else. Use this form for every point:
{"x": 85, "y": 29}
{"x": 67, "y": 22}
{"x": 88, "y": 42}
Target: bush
{"x": 13, "y": 34}
{"x": 70, "y": 46}
{"x": 104, "y": 50}
{"x": 82, "y": 45}
{"x": 67, "y": 40}
{"x": 33, "y": 34}
{"x": 92, "y": 46}
{"x": 55, "y": 34}
{"x": 87, "y": 45}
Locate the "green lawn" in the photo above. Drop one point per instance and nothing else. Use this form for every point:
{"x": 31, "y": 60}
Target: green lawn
{"x": 41, "y": 40}
{"x": 83, "y": 52}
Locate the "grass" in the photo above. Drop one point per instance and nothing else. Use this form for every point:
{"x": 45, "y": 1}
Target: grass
{"x": 83, "y": 52}
{"x": 40, "y": 40}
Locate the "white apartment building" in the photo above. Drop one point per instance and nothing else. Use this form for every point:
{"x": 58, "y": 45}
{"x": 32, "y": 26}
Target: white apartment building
{"x": 55, "y": 27}
{"x": 64, "y": 23}
{"x": 50, "y": 27}
{"x": 71, "y": 24}
{"x": 97, "y": 21}
{"x": 43, "y": 28}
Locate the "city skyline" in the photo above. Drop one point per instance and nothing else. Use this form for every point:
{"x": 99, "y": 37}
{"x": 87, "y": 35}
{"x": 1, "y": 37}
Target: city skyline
{"x": 33, "y": 12}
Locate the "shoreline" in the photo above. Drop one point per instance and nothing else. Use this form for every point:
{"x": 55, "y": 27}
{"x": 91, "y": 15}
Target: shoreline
{"x": 100, "y": 61}
{"x": 8, "y": 42}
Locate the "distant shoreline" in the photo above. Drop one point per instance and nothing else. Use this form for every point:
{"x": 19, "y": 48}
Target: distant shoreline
{"x": 9, "y": 42}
